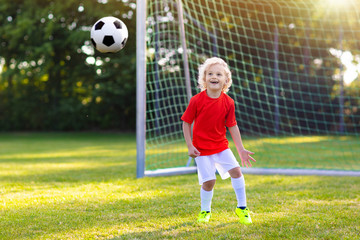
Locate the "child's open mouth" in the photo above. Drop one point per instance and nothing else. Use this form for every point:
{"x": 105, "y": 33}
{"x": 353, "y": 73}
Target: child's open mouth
{"x": 214, "y": 82}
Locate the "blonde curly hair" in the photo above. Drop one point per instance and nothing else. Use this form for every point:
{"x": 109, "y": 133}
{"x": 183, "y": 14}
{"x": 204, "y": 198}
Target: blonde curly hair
{"x": 205, "y": 66}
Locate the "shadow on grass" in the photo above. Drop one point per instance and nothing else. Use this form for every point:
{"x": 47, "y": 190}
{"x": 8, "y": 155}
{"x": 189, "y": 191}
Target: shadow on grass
{"x": 60, "y": 157}
{"x": 100, "y": 173}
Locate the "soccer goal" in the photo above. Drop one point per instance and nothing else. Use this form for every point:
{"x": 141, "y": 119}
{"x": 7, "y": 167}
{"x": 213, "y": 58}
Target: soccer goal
{"x": 296, "y": 84}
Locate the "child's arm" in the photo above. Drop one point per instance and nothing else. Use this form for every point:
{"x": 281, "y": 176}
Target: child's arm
{"x": 243, "y": 153}
{"x": 193, "y": 152}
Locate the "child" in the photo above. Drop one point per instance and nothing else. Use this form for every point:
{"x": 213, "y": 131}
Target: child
{"x": 213, "y": 111}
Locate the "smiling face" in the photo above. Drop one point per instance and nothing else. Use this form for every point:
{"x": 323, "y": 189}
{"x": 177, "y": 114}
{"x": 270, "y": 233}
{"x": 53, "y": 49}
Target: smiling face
{"x": 204, "y": 70}
{"x": 215, "y": 79}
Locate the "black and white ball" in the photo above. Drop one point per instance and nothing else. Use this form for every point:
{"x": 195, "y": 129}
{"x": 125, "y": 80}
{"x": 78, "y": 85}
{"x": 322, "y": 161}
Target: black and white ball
{"x": 109, "y": 35}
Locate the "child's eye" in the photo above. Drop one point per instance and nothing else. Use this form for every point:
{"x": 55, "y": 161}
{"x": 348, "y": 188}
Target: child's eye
{"x": 219, "y": 74}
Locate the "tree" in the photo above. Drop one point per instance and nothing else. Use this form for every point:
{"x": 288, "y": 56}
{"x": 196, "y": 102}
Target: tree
{"x": 48, "y": 80}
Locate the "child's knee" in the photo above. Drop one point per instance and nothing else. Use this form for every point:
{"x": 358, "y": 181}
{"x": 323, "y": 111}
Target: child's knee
{"x": 235, "y": 172}
{"x": 209, "y": 185}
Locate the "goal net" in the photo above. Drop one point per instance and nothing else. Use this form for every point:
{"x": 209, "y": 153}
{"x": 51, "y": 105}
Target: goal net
{"x": 296, "y": 85}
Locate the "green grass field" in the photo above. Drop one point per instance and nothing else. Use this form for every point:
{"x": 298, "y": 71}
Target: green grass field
{"x": 83, "y": 186}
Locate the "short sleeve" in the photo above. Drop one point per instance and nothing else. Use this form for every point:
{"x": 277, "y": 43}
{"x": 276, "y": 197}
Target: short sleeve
{"x": 190, "y": 112}
{"x": 230, "y": 117}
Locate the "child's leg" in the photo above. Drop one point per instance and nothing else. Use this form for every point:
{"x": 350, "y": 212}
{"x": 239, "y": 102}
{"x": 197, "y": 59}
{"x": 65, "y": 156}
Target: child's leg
{"x": 206, "y": 194}
{"x": 238, "y": 183}
{"x": 206, "y": 174}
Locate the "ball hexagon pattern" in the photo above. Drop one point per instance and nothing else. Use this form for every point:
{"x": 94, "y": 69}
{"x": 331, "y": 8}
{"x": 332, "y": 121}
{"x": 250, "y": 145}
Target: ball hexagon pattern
{"x": 109, "y": 35}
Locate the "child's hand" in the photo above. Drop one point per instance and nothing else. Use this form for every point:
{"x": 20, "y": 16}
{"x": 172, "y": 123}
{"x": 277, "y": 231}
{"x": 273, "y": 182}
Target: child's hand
{"x": 245, "y": 158}
{"x": 193, "y": 152}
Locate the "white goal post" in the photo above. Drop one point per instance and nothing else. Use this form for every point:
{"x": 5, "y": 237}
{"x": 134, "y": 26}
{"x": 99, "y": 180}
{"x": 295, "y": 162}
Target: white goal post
{"x": 141, "y": 93}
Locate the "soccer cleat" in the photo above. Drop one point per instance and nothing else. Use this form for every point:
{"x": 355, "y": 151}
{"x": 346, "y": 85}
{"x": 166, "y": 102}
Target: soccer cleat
{"x": 204, "y": 216}
{"x": 244, "y": 215}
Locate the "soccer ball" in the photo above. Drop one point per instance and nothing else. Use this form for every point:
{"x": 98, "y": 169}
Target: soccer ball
{"x": 109, "y": 35}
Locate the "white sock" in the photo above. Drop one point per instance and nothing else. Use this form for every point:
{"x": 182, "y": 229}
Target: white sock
{"x": 239, "y": 187}
{"x": 206, "y": 197}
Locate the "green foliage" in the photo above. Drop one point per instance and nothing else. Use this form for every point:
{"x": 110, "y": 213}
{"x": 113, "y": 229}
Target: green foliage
{"x": 83, "y": 186}
{"x": 47, "y": 83}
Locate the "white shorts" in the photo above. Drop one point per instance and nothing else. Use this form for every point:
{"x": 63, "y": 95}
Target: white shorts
{"x": 222, "y": 162}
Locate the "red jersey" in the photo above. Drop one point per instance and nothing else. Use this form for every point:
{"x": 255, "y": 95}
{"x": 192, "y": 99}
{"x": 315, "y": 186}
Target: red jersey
{"x": 211, "y": 116}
